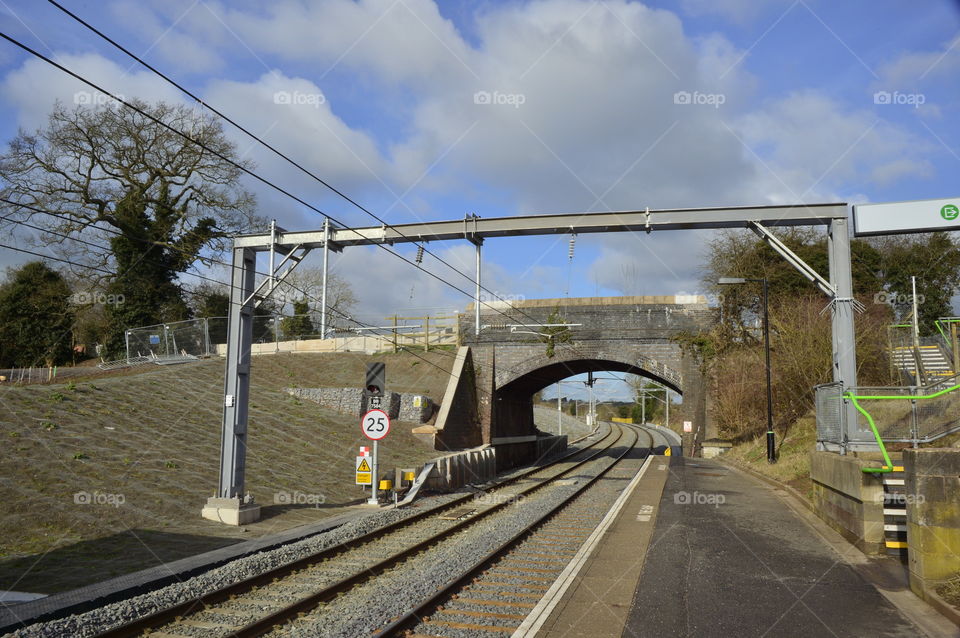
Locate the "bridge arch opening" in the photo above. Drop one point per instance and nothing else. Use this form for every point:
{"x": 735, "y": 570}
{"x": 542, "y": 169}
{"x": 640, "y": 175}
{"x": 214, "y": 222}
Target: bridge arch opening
{"x": 514, "y": 402}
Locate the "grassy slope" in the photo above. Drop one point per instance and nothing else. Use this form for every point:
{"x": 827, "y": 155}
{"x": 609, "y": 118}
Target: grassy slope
{"x": 793, "y": 461}
{"x": 154, "y": 438}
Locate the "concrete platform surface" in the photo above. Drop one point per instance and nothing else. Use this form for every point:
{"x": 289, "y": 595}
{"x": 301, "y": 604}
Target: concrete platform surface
{"x": 729, "y": 557}
{"x": 598, "y": 601}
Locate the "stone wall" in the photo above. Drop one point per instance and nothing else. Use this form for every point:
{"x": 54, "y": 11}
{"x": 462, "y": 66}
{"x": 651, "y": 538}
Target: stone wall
{"x": 414, "y": 408}
{"x": 932, "y": 479}
{"x": 632, "y": 334}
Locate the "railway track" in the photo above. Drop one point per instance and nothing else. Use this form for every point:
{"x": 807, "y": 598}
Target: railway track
{"x": 258, "y": 604}
{"x": 501, "y": 590}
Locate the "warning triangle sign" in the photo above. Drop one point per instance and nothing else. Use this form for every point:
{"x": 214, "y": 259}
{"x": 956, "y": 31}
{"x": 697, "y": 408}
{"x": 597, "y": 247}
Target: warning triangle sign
{"x": 364, "y": 466}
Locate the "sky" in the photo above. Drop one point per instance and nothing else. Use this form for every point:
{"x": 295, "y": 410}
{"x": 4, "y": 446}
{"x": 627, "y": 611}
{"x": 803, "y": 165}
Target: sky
{"x": 424, "y": 110}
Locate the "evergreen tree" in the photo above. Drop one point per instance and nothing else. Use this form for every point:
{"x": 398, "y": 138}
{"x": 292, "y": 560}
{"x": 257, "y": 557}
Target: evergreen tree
{"x": 36, "y": 318}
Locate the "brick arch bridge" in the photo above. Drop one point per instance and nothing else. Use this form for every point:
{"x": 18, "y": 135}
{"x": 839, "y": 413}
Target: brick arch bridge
{"x": 508, "y": 362}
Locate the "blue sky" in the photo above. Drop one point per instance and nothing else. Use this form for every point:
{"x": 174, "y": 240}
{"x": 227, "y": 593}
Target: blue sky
{"x": 786, "y": 105}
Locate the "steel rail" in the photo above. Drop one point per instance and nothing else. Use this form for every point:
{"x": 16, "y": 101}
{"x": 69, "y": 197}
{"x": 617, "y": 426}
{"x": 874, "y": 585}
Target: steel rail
{"x": 428, "y": 605}
{"x": 169, "y": 614}
{"x": 266, "y": 623}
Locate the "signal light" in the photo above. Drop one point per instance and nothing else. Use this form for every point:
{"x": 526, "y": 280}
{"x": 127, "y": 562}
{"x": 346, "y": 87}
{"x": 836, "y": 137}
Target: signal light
{"x": 376, "y": 383}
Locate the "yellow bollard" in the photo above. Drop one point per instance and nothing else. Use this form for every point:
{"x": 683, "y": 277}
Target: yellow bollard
{"x": 667, "y": 452}
{"x": 386, "y": 484}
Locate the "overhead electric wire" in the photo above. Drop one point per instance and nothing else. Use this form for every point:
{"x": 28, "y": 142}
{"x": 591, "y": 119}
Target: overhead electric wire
{"x": 99, "y": 269}
{"x": 291, "y": 161}
{"x": 236, "y": 165}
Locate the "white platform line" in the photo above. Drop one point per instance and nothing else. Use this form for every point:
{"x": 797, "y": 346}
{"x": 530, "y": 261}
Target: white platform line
{"x": 539, "y": 615}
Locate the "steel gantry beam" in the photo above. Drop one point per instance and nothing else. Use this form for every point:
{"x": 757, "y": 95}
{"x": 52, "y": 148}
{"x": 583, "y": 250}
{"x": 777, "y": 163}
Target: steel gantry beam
{"x": 476, "y": 228}
{"x": 231, "y": 506}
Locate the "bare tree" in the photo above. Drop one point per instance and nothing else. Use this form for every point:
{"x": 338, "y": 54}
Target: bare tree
{"x": 113, "y": 176}
{"x": 306, "y": 284}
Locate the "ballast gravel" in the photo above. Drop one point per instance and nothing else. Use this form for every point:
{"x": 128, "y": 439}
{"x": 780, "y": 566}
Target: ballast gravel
{"x": 416, "y": 582}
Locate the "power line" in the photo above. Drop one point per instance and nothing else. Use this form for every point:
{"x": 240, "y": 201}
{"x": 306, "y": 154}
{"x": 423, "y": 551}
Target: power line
{"x": 247, "y": 171}
{"x": 230, "y": 161}
{"x": 420, "y": 247}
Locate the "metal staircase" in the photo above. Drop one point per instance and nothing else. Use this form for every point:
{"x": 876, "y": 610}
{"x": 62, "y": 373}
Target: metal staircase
{"x": 935, "y": 362}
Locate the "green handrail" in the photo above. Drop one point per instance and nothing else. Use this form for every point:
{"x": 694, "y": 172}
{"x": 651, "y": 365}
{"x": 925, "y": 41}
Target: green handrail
{"x": 888, "y": 467}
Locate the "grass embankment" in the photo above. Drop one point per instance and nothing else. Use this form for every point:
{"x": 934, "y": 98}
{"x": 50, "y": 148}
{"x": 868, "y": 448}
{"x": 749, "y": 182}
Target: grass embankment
{"x": 793, "y": 460}
{"x": 145, "y": 448}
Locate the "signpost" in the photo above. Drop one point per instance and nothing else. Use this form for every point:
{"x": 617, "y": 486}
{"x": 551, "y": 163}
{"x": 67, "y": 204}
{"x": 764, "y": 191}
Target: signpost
{"x": 919, "y": 216}
{"x": 375, "y": 425}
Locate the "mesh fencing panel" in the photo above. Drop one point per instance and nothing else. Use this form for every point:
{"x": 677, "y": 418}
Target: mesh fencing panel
{"x": 894, "y": 418}
{"x": 828, "y": 399}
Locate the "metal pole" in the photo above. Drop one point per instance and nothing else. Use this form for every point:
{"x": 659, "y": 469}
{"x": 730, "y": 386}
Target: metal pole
{"x": 233, "y": 443}
{"x": 374, "y": 481}
{"x": 954, "y": 347}
{"x": 920, "y": 376}
{"x": 559, "y": 412}
{"x": 843, "y": 329}
{"x": 667, "y": 408}
{"x": 771, "y": 447}
{"x": 273, "y": 241}
{"x": 326, "y": 263}
{"x": 476, "y": 297}
{"x": 643, "y": 405}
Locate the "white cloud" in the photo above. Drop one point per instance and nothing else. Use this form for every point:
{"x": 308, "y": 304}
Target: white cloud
{"x": 33, "y": 87}
{"x": 914, "y": 68}
{"x": 587, "y": 119}
{"x": 813, "y": 146}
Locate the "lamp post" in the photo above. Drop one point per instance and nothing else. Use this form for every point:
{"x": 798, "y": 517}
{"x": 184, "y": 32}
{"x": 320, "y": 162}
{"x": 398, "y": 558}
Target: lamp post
{"x": 771, "y": 447}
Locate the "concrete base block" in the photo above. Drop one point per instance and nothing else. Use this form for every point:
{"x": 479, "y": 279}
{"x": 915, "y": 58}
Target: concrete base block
{"x": 849, "y": 500}
{"x": 230, "y": 511}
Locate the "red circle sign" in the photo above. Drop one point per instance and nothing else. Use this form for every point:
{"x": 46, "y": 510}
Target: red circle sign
{"x": 375, "y": 425}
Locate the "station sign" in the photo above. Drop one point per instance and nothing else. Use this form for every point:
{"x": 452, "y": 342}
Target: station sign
{"x": 895, "y": 218}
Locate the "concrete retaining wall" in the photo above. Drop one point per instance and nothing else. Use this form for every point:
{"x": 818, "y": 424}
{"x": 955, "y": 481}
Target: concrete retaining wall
{"x": 482, "y": 464}
{"x": 848, "y": 499}
{"x": 933, "y": 516}
{"x": 456, "y": 470}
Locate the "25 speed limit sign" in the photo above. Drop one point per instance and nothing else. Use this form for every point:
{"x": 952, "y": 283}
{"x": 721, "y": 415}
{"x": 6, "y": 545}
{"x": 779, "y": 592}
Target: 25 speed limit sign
{"x": 375, "y": 424}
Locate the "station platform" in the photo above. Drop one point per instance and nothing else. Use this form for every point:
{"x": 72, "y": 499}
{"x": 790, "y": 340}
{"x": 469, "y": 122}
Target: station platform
{"x": 702, "y": 549}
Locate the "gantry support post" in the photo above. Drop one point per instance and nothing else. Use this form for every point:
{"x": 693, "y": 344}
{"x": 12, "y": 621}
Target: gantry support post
{"x": 230, "y": 505}
{"x": 842, "y": 311}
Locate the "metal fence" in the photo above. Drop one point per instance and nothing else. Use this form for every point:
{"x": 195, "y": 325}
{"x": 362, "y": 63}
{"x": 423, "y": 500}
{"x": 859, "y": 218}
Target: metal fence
{"x": 830, "y": 413}
{"x": 207, "y": 336}
{"x": 902, "y": 414}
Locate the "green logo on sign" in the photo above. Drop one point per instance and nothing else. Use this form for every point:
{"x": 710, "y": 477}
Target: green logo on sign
{"x": 950, "y": 212}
